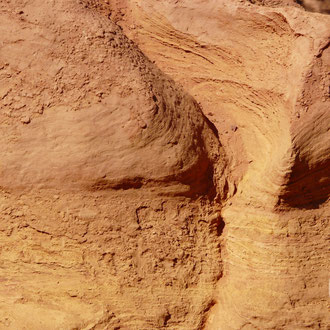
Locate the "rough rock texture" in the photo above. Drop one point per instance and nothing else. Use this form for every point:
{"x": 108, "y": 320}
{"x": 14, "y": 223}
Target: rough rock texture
{"x": 320, "y": 6}
{"x": 164, "y": 164}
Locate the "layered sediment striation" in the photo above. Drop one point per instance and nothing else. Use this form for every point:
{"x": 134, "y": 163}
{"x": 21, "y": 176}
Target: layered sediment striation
{"x": 164, "y": 165}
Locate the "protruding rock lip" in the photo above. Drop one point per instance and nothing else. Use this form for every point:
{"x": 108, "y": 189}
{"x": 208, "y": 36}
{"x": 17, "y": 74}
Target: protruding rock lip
{"x": 188, "y": 184}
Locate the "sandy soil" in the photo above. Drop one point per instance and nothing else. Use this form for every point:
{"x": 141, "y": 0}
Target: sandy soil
{"x": 165, "y": 164}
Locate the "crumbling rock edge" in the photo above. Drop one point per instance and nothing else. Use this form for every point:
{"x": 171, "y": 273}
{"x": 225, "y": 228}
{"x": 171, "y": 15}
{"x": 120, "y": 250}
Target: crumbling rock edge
{"x": 148, "y": 205}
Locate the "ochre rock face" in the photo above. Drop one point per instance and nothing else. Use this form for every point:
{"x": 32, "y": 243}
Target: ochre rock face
{"x": 107, "y": 116}
{"x": 164, "y": 164}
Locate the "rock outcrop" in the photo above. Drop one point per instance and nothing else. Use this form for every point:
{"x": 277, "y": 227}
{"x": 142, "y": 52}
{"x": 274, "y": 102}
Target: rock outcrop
{"x": 165, "y": 164}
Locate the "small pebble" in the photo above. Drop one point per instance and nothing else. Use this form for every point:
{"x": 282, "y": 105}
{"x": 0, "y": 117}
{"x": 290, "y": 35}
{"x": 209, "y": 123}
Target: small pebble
{"x": 18, "y": 213}
{"x": 26, "y": 120}
{"x": 142, "y": 124}
{"x": 40, "y": 109}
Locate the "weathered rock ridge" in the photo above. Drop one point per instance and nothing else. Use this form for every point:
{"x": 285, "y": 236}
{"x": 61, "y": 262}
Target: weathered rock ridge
{"x": 165, "y": 164}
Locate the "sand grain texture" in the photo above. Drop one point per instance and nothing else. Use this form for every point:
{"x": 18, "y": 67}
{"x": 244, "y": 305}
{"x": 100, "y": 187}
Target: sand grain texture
{"x": 164, "y": 164}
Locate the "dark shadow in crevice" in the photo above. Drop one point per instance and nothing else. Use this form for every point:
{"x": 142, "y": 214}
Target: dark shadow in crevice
{"x": 206, "y": 313}
{"x": 316, "y": 6}
{"x": 220, "y": 227}
{"x": 307, "y": 187}
{"x": 217, "y": 225}
{"x": 211, "y": 126}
